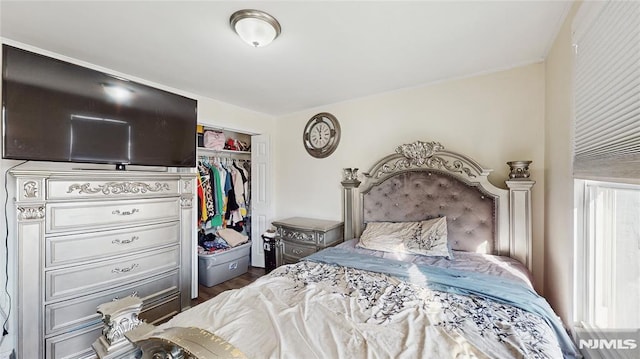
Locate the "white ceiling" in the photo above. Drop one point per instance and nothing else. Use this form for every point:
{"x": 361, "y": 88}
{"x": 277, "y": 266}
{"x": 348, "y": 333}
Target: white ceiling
{"x": 328, "y": 52}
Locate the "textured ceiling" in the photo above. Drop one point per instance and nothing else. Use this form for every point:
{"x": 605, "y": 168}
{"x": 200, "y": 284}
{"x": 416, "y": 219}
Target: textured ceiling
{"x": 328, "y": 52}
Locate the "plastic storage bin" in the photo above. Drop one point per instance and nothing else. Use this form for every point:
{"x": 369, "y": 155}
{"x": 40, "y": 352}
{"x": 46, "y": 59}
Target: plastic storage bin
{"x": 219, "y": 267}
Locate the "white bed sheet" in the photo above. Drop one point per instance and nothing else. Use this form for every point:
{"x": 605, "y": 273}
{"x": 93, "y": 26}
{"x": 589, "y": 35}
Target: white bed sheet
{"x": 314, "y": 310}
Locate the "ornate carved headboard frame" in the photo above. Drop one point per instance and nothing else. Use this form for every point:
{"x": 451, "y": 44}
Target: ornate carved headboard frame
{"x": 511, "y": 208}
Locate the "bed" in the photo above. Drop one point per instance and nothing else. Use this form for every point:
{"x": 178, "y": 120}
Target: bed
{"x": 434, "y": 265}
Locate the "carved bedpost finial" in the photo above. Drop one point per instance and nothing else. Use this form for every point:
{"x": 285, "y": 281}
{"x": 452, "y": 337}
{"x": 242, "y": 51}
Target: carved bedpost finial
{"x": 349, "y": 174}
{"x": 519, "y": 170}
{"x": 119, "y": 317}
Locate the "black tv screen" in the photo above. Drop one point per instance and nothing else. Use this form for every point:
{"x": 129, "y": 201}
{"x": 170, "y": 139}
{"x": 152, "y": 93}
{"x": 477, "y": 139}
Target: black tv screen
{"x": 53, "y": 110}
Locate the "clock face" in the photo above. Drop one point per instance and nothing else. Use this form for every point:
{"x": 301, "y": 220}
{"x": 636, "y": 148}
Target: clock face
{"x": 321, "y": 135}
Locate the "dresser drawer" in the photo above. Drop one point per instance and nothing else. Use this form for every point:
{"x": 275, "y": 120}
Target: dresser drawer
{"x": 82, "y": 188}
{"x": 74, "y": 345}
{"x": 109, "y": 214}
{"x": 297, "y": 251}
{"x": 81, "y": 312}
{"x": 85, "y": 279}
{"x": 70, "y": 249}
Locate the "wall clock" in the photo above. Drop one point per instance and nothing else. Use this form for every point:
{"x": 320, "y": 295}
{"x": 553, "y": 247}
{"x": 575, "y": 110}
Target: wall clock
{"x": 321, "y": 135}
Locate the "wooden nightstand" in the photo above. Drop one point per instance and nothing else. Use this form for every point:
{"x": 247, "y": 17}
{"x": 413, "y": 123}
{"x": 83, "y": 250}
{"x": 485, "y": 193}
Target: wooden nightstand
{"x": 299, "y": 237}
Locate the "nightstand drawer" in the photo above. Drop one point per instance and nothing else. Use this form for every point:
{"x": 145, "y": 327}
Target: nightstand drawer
{"x": 104, "y": 275}
{"x": 297, "y": 251}
{"x": 290, "y": 234}
{"x": 109, "y": 214}
{"x": 95, "y": 245}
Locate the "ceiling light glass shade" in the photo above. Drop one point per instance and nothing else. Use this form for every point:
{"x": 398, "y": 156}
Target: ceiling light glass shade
{"x": 255, "y": 27}
{"x": 118, "y": 93}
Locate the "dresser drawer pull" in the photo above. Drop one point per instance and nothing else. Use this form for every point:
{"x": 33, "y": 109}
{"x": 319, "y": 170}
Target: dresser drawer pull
{"x": 125, "y": 213}
{"x": 125, "y": 241}
{"x": 124, "y": 270}
{"x": 133, "y": 294}
{"x": 297, "y": 251}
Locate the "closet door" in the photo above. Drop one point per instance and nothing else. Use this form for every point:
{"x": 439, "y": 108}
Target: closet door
{"x": 261, "y": 185}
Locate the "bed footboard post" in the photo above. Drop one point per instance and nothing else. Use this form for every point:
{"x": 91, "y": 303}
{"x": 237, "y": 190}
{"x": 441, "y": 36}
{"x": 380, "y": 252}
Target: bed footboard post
{"x": 520, "y": 237}
{"x": 119, "y": 317}
{"x": 349, "y": 182}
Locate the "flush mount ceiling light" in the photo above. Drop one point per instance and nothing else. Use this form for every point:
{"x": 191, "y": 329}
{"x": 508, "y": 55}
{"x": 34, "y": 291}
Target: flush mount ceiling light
{"x": 118, "y": 93}
{"x": 255, "y": 27}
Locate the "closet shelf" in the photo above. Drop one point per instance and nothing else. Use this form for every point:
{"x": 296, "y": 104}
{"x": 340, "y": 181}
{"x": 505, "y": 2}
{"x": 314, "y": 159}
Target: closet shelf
{"x": 205, "y": 150}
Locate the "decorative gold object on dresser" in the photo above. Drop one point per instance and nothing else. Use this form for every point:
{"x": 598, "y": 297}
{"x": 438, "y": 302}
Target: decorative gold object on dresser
{"x": 299, "y": 237}
{"x": 84, "y": 238}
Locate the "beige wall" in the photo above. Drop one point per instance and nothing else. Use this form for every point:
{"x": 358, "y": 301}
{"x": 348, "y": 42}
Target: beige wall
{"x": 216, "y": 113}
{"x": 558, "y": 233}
{"x": 494, "y": 118}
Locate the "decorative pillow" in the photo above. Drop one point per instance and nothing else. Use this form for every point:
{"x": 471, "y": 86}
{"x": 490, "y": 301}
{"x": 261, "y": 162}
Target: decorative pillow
{"x": 427, "y": 238}
{"x": 389, "y": 236}
{"x": 433, "y": 239}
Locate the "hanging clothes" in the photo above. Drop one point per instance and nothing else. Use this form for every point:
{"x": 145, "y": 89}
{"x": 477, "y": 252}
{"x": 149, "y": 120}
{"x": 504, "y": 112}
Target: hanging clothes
{"x": 202, "y": 207}
{"x": 222, "y": 193}
{"x": 245, "y": 186}
{"x": 246, "y": 166}
{"x": 216, "y": 219}
{"x": 206, "y": 187}
{"x": 238, "y": 186}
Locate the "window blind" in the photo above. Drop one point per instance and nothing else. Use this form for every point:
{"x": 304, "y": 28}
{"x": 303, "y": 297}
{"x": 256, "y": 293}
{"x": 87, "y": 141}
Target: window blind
{"x": 606, "y": 37}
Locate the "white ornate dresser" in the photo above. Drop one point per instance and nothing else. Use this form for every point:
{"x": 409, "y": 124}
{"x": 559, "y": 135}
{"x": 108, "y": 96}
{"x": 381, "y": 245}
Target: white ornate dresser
{"x": 87, "y": 237}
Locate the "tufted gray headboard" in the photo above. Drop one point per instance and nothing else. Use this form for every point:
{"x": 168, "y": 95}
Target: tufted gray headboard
{"x": 419, "y": 195}
{"x": 422, "y": 180}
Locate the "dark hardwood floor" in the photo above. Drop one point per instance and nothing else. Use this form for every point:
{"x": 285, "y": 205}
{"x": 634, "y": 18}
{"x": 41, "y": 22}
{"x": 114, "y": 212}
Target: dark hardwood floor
{"x": 205, "y": 293}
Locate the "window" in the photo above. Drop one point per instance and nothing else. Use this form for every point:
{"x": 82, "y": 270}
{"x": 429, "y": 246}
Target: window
{"x": 608, "y": 254}
{"x": 606, "y": 164}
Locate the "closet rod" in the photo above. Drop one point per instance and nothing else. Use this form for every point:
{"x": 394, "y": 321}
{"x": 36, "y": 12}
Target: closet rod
{"x": 228, "y": 154}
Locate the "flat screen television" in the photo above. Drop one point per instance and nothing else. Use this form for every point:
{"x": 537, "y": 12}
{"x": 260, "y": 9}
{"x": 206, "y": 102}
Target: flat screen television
{"x": 53, "y": 110}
